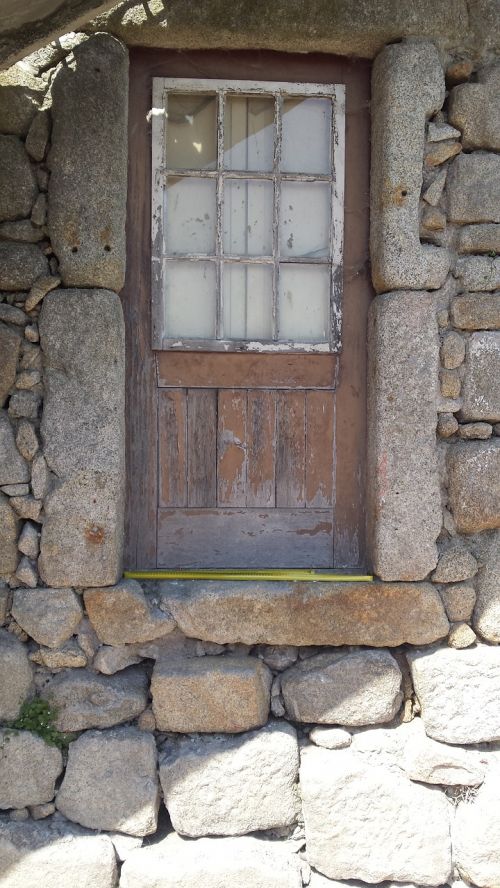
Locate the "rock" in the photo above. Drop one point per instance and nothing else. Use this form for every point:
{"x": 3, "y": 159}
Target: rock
{"x": 40, "y": 288}
{"x": 476, "y": 311}
{"x": 10, "y": 343}
{"x": 20, "y": 96}
{"x": 459, "y": 71}
{"x": 405, "y": 508}
{"x": 433, "y": 192}
{"x": 31, "y": 356}
{"x": 277, "y": 657}
{"x": 29, "y": 851}
{"x": 26, "y": 573}
{"x": 440, "y": 132}
{"x": 40, "y": 477}
{"x": 452, "y": 350}
{"x": 427, "y": 761}
{"x": 450, "y": 383}
{"x": 39, "y": 812}
{"x": 474, "y": 485}
{"x": 16, "y": 676}
{"x": 26, "y": 507}
{"x": 29, "y": 768}
{"x": 124, "y": 845}
{"x": 458, "y": 692}
{"x": 82, "y": 534}
{"x": 122, "y": 614}
{"x": 461, "y": 636}
{"x": 38, "y": 135}
{"x": 486, "y": 619}
{"x": 21, "y": 230}
{"x": 69, "y": 656}
{"x": 13, "y": 468}
{"x": 111, "y": 783}
{"x": 16, "y": 489}
{"x": 481, "y": 388}
{"x": 39, "y": 211}
{"x": 87, "y": 639}
{"x": 437, "y": 153}
{"x": 49, "y": 616}
{"x": 218, "y": 694}
{"x": 5, "y": 602}
{"x": 475, "y": 430}
{"x": 407, "y": 86}
{"x": 88, "y": 163}
{"x": 459, "y": 601}
{"x": 12, "y": 315}
{"x": 232, "y": 785}
{"x": 147, "y": 721}
{"x": 31, "y": 332}
{"x": 17, "y": 185}
{"x": 245, "y": 862}
{"x": 85, "y": 700}
{"x": 28, "y": 379}
{"x": 373, "y": 614}
{"x": 473, "y": 107}
{"x": 26, "y": 439}
{"x": 9, "y": 531}
{"x": 109, "y": 660}
{"x": 455, "y": 563}
{"x": 478, "y": 238}
{"x": 447, "y": 425}
{"x": 24, "y": 404}
{"x": 476, "y": 835}
{"x": 343, "y": 799}
{"x": 330, "y": 738}
{"x": 20, "y": 265}
{"x": 433, "y": 219}
{"x": 473, "y": 188}
{"x": 478, "y": 272}
{"x": 354, "y": 688}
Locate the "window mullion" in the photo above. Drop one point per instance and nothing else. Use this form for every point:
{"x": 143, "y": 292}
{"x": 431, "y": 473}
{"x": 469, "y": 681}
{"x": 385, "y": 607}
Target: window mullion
{"x": 337, "y": 217}
{"x": 278, "y": 105}
{"x": 219, "y": 324}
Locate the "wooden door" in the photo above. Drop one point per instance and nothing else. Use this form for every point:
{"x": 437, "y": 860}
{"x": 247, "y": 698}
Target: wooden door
{"x": 246, "y": 460}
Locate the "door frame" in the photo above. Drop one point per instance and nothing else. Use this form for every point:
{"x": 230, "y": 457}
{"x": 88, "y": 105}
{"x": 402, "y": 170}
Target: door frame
{"x": 141, "y": 391}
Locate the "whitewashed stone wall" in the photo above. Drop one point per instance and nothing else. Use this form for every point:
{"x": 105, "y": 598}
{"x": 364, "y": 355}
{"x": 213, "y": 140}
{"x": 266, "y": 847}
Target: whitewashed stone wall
{"x": 273, "y": 735}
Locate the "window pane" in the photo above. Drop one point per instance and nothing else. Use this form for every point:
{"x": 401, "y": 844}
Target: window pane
{"x": 190, "y": 300}
{"x": 305, "y": 219}
{"x": 306, "y": 136}
{"x": 249, "y": 133}
{"x": 190, "y": 216}
{"x": 191, "y": 132}
{"x": 247, "y": 294}
{"x": 304, "y": 301}
{"x": 248, "y": 217}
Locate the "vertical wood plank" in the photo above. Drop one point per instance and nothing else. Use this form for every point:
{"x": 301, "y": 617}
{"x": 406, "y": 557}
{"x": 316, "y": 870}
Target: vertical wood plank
{"x": 290, "y": 449}
{"x": 261, "y": 448}
{"x": 319, "y": 449}
{"x": 232, "y": 448}
{"x": 172, "y": 463}
{"x": 202, "y": 447}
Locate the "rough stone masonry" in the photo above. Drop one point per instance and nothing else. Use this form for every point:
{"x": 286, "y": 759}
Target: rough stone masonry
{"x": 296, "y": 735}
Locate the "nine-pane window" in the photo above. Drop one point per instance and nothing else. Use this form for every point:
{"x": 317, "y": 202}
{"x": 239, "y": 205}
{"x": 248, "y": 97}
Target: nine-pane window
{"x": 247, "y": 215}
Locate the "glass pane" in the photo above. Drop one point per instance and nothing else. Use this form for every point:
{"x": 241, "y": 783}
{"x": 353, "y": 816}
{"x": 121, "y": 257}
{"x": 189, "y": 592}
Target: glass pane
{"x": 249, "y": 133}
{"x": 190, "y": 216}
{"x": 305, "y": 219}
{"x": 306, "y": 136}
{"x": 191, "y": 132}
{"x": 248, "y": 296}
{"x": 304, "y": 302}
{"x": 248, "y": 217}
{"x": 190, "y": 300}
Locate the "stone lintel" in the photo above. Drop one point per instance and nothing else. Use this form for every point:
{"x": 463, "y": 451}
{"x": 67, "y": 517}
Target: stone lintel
{"x": 376, "y": 614}
{"x": 405, "y": 504}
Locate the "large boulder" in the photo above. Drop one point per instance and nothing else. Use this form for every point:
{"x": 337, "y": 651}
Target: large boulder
{"x": 49, "y": 616}
{"x": 20, "y": 265}
{"x": 486, "y": 617}
{"x": 473, "y": 188}
{"x": 474, "y": 108}
{"x": 111, "y": 782}
{"x": 29, "y": 768}
{"x": 357, "y": 688}
{"x": 17, "y": 181}
{"x": 474, "y": 485}
{"x": 367, "y": 822}
{"x": 10, "y": 344}
{"x": 481, "y": 385}
{"x": 13, "y": 468}
{"x": 85, "y": 700}
{"x": 9, "y": 532}
{"x": 458, "y": 691}
{"x": 123, "y": 614}
{"x": 245, "y": 862}
{"x": 476, "y": 835}
{"x": 16, "y": 676}
{"x": 223, "y": 694}
{"x": 234, "y": 785}
{"x": 20, "y": 97}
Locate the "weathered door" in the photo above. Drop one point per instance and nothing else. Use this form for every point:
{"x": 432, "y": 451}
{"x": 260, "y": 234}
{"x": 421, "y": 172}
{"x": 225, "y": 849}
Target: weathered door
{"x": 245, "y": 456}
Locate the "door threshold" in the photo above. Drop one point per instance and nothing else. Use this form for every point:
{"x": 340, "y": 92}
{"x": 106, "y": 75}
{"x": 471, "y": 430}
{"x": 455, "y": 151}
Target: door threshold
{"x": 269, "y": 575}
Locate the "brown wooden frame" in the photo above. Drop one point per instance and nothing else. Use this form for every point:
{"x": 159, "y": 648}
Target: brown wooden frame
{"x": 142, "y": 420}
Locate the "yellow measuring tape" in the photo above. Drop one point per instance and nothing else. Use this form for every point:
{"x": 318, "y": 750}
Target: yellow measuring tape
{"x": 272, "y": 574}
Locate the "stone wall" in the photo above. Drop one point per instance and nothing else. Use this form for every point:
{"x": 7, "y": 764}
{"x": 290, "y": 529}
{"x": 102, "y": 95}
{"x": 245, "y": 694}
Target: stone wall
{"x": 273, "y": 734}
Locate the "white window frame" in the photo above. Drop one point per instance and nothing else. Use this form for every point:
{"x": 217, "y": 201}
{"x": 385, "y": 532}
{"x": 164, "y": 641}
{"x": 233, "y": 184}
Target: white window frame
{"x": 160, "y": 172}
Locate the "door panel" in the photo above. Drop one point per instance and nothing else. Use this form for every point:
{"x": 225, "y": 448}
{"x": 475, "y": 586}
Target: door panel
{"x": 234, "y": 370}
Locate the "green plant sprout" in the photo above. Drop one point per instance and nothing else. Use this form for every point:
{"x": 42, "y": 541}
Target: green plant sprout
{"x": 38, "y": 717}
